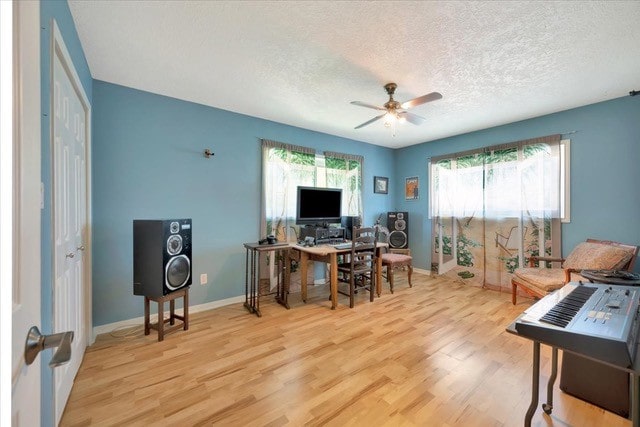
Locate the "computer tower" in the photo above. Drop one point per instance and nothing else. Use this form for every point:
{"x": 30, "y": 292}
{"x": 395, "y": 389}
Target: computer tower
{"x": 348, "y": 222}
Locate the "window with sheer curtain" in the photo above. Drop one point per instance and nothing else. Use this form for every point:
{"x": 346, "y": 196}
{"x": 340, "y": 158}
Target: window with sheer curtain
{"x": 502, "y": 181}
{"x": 494, "y": 207}
{"x": 285, "y": 167}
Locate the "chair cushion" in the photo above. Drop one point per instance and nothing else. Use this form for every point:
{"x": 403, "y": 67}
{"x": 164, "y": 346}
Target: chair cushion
{"x": 597, "y": 256}
{"x": 544, "y": 279}
{"x": 394, "y": 259}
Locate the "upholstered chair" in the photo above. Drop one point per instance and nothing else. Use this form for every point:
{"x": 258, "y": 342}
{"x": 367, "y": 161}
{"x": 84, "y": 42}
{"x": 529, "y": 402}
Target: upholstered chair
{"x": 590, "y": 255}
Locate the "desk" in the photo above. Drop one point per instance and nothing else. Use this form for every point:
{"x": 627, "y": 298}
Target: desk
{"x": 547, "y": 407}
{"x": 328, "y": 254}
{"x": 252, "y": 274}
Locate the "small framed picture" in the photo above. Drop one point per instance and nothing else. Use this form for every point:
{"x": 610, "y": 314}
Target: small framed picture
{"x": 411, "y": 188}
{"x": 380, "y": 185}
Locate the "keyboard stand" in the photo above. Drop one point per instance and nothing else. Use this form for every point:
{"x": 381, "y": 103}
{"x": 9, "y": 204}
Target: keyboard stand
{"x": 547, "y": 407}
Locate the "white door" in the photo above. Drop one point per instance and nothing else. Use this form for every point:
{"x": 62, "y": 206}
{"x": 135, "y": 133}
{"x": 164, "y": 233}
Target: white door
{"x": 24, "y": 203}
{"x": 70, "y": 114}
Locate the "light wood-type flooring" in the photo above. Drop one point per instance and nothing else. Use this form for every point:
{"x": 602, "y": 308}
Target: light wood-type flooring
{"x": 436, "y": 354}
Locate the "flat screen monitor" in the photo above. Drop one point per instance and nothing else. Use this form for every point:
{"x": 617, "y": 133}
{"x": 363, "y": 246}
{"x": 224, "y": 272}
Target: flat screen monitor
{"x": 318, "y": 206}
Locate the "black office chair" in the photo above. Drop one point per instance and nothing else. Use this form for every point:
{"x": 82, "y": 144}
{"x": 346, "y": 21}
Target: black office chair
{"x": 360, "y": 270}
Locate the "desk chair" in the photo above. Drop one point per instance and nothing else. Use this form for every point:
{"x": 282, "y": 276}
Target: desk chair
{"x": 590, "y": 255}
{"x": 397, "y": 258}
{"x": 360, "y": 270}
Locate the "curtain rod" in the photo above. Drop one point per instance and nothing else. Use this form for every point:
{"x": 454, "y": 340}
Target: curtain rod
{"x": 571, "y": 132}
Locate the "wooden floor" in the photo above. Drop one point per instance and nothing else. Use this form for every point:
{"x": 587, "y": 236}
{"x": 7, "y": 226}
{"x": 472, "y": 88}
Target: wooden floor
{"x": 433, "y": 355}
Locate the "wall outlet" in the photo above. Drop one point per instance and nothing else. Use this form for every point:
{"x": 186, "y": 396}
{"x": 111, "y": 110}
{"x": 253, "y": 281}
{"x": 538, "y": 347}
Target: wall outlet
{"x": 203, "y": 279}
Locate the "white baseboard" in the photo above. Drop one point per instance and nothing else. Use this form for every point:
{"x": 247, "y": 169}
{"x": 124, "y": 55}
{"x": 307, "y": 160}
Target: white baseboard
{"x": 139, "y": 321}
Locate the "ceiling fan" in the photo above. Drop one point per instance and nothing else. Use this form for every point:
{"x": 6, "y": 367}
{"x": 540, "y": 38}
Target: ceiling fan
{"x": 395, "y": 111}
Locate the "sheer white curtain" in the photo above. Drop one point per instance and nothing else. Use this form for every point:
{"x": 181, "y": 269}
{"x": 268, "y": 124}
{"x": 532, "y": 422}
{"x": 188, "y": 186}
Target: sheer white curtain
{"x": 494, "y": 207}
{"x": 345, "y": 171}
{"x": 284, "y": 168}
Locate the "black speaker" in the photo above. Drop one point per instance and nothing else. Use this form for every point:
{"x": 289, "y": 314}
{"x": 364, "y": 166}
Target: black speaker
{"x": 398, "y": 225}
{"x": 161, "y": 256}
{"x": 595, "y": 382}
{"x": 348, "y": 222}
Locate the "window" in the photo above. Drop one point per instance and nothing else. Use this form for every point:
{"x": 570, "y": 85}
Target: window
{"x": 502, "y": 182}
{"x": 494, "y": 208}
{"x": 285, "y": 167}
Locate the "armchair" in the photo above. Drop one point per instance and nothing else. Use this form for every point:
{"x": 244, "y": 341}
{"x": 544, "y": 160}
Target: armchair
{"x": 592, "y": 255}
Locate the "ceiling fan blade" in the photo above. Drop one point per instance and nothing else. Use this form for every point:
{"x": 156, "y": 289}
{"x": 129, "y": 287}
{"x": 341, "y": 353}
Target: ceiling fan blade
{"x": 364, "y": 104}
{"x": 433, "y": 96}
{"x": 370, "y": 121}
{"x": 413, "y": 118}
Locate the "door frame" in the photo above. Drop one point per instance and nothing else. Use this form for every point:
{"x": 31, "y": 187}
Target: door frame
{"x": 22, "y": 149}
{"x": 59, "y": 49}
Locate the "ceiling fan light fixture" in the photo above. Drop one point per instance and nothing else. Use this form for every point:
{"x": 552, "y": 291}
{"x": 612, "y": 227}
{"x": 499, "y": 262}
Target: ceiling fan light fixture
{"x": 396, "y": 112}
{"x": 389, "y": 119}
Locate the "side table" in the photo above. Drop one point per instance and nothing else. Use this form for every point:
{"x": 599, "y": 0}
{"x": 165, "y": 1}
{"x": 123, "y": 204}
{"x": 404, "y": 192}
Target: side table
{"x": 159, "y": 326}
{"x": 252, "y": 274}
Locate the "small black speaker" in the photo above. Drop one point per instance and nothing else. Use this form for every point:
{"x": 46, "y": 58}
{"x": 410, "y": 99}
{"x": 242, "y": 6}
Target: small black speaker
{"x": 398, "y": 225}
{"x": 161, "y": 256}
{"x": 348, "y": 222}
{"x": 595, "y": 382}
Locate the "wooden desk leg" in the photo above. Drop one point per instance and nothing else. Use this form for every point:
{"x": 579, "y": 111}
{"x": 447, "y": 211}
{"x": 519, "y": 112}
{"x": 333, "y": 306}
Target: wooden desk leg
{"x": 333, "y": 279}
{"x": 635, "y": 399}
{"x": 146, "y": 316}
{"x": 283, "y": 285}
{"x": 172, "y": 311}
{"x": 535, "y": 383}
{"x": 287, "y": 277}
{"x": 160, "y": 319}
{"x": 379, "y": 273}
{"x": 185, "y": 302}
{"x": 304, "y": 260}
{"x": 548, "y": 407}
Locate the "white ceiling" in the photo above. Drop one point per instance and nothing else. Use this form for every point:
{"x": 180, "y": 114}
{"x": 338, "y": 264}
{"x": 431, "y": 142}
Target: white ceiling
{"x": 302, "y": 62}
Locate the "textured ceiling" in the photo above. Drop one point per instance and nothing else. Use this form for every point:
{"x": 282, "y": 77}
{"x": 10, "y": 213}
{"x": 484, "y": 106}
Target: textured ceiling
{"x": 301, "y": 63}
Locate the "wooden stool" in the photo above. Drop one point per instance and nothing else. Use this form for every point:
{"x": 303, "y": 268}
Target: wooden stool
{"x": 396, "y": 259}
{"x": 182, "y": 293}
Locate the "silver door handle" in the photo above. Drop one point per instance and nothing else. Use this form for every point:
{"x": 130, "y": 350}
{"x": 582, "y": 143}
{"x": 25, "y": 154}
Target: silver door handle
{"x": 80, "y": 248}
{"x": 36, "y": 342}
{"x": 70, "y": 255}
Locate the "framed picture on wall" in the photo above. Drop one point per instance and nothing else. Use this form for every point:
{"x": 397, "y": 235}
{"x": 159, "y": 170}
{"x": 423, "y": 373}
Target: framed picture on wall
{"x": 380, "y": 185}
{"x": 411, "y": 188}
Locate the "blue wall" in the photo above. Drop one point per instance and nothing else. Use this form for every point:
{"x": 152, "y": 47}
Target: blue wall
{"x": 148, "y": 163}
{"x": 59, "y": 11}
{"x": 605, "y": 172}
